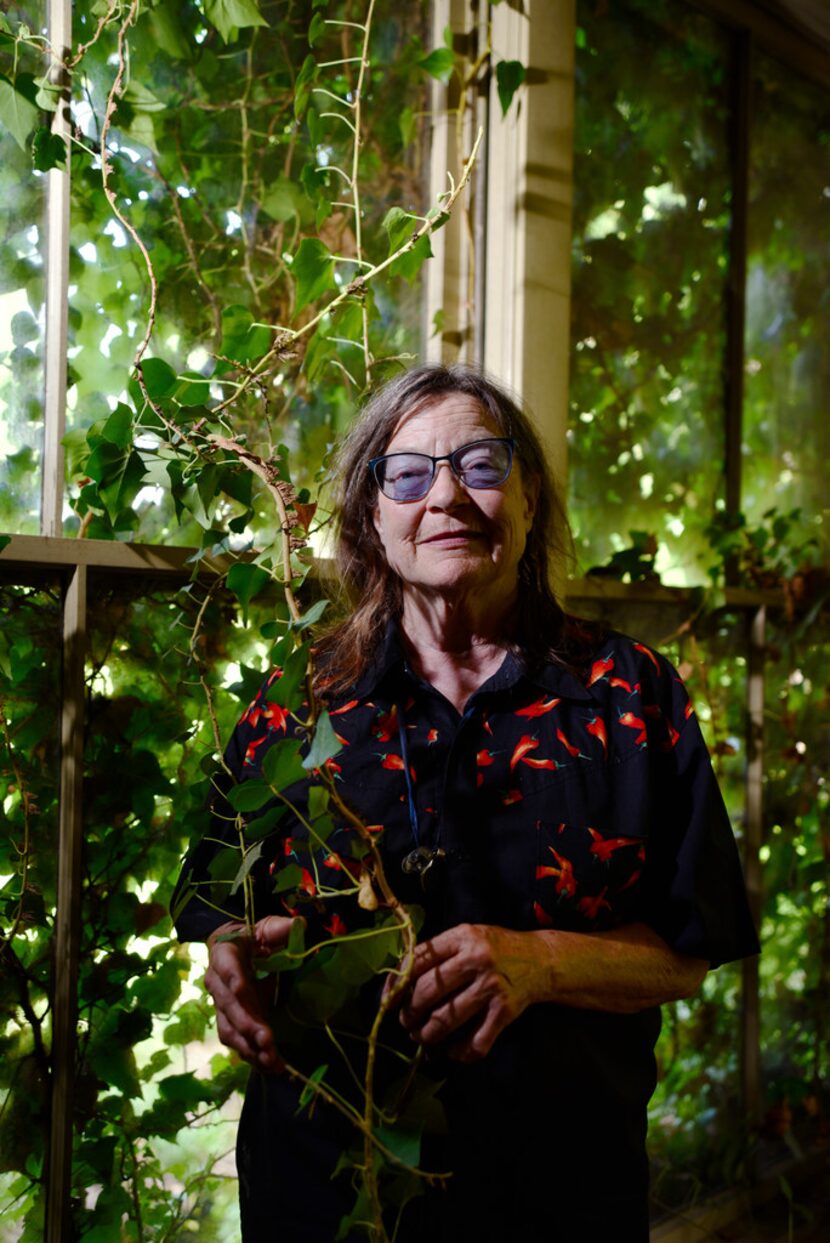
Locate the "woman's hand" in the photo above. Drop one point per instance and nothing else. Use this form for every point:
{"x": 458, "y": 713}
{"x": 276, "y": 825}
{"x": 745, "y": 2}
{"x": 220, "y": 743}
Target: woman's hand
{"x": 477, "y": 977}
{"x": 239, "y": 998}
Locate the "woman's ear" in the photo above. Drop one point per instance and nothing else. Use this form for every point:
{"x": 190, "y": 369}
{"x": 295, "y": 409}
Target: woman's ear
{"x": 531, "y": 494}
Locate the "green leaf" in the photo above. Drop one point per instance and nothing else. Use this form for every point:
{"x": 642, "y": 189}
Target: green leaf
{"x": 249, "y": 859}
{"x": 48, "y": 150}
{"x": 118, "y": 472}
{"x": 118, "y": 429}
{"x": 317, "y": 29}
{"x": 399, "y": 226}
{"x": 140, "y": 98}
{"x": 324, "y": 744}
{"x": 282, "y": 199}
{"x": 228, "y": 16}
{"x": 48, "y": 95}
{"x": 249, "y": 795}
{"x": 159, "y": 377}
{"x": 288, "y": 877}
{"x": 241, "y": 340}
{"x": 311, "y": 616}
{"x": 192, "y": 389}
{"x": 510, "y": 74}
{"x": 263, "y": 825}
{"x": 281, "y": 765}
{"x": 246, "y": 581}
{"x": 409, "y": 265}
{"x": 313, "y": 271}
{"x": 168, "y": 33}
{"x": 24, "y": 328}
{"x": 308, "y": 1094}
{"x": 283, "y": 690}
{"x": 18, "y": 111}
{"x": 407, "y": 126}
{"x": 438, "y": 64}
{"x": 302, "y": 85}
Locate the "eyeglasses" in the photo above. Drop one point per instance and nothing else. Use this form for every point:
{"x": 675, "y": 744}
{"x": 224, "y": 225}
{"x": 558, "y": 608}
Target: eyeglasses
{"x": 409, "y": 476}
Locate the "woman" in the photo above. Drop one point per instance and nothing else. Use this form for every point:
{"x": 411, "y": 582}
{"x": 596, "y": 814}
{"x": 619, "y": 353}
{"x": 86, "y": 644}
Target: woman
{"x": 545, "y": 795}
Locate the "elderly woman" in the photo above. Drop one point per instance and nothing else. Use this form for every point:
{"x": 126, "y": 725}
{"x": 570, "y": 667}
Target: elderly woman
{"x": 545, "y": 796}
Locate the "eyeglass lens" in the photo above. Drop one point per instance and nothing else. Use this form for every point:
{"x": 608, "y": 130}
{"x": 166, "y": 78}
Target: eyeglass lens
{"x": 409, "y": 476}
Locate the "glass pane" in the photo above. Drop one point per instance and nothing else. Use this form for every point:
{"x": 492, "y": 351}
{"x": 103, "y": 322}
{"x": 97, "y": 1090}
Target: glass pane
{"x": 219, "y": 179}
{"x": 651, "y": 219}
{"x": 21, "y": 295}
{"x": 786, "y": 424}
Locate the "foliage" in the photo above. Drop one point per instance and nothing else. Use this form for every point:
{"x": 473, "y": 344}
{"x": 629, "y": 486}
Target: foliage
{"x": 651, "y": 236}
{"x": 247, "y": 232}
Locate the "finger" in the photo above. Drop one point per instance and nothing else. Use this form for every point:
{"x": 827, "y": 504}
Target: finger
{"x": 479, "y": 1043}
{"x": 240, "y": 1022}
{"x": 272, "y": 933}
{"x": 455, "y": 1012}
{"x": 437, "y": 986}
{"x": 439, "y": 949}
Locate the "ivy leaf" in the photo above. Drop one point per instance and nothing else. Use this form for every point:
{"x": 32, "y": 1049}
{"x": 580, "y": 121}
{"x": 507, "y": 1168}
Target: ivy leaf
{"x": 118, "y": 473}
{"x": 409, "y": 265}
{"x": 282, "y": 199}
{"x": 192, "y": 389}
{"x": 249, "y": 859}
{"x": 249, "y": 795}
{"x": 317, "y": 29}
{"x": 118, "y": 427}
{"x": 245, "y": 581}
{"x": 263, "y": 825}
{"x": 510, "y": 74}
{"x": 159, "y": 377}
{"x": 308, "y": 1093}
{"x": 242, "y": 340}
{"x": 302, "y": 85}
{"x": 313, "y": 270}
{"x": 311, "y": 616}
{"x": 398, "y": 225}
{"x": 18, "y": 111}
{"x": 228, "y": 16}
{"x": 48, "y": 150}
{"x": 281, "y": 764}
{"x": 283, "y": 689}
{"x": 438, "y": 64}
{"x": 406, "y": 125}
{"x": 324, "y": 745}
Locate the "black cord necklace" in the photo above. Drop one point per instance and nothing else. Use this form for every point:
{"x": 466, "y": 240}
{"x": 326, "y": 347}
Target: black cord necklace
{"x": 419, "y": 860}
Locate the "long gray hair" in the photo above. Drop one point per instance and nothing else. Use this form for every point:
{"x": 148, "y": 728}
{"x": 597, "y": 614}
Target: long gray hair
{"x": 372, "y": 592}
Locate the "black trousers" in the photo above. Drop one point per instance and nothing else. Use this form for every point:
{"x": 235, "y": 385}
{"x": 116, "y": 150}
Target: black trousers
{"x": 510, "y": 1182}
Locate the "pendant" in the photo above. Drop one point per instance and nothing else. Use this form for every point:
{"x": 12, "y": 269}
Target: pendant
{"x": 420, "y": 860}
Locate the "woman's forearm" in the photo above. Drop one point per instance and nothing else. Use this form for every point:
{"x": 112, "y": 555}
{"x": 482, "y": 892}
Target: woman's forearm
{"x": 622, "y": 970}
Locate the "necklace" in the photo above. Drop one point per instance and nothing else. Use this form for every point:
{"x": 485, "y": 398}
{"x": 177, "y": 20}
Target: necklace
{"x": 419, "y": 860}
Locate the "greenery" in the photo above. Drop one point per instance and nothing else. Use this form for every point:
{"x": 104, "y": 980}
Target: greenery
{"x": 646, "y": 450}
{"x": 210, "y": 372}
{"x": 247, "y": 225}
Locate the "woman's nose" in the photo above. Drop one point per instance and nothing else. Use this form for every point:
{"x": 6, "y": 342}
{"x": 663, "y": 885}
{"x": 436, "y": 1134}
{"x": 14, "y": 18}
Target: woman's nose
{"x": 446, "y": 487}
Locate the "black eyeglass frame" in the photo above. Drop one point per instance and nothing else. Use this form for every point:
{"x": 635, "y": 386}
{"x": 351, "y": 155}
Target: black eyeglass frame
{"x": 508, "y": 441}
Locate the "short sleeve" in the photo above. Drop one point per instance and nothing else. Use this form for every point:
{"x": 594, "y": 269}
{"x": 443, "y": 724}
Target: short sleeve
{"x": 695, "y": 891}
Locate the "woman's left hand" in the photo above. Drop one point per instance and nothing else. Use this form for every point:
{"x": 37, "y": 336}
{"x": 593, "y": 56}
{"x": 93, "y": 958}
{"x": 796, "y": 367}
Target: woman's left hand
{"x": 477, "y": 977}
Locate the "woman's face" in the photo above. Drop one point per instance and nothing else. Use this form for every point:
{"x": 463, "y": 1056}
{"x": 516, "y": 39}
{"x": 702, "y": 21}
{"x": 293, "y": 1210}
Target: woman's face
{"x": 455, "y": 540}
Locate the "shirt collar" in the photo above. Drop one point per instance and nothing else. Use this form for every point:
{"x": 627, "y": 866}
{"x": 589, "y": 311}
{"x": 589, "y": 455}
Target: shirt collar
{"x": 390, "y": 658}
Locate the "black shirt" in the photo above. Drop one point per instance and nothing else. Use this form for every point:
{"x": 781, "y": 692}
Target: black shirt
{"x": 579, "y": 801}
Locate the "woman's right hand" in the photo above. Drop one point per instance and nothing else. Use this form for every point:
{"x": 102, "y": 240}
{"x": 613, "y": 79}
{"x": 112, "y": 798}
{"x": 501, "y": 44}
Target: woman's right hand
{"x": 236, "y": 993}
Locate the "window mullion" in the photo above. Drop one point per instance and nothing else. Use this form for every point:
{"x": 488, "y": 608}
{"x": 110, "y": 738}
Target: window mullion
{"x": 59, "y": 19}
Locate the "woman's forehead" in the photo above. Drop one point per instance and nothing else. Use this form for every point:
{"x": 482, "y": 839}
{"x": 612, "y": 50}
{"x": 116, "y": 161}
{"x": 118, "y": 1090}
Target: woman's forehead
{"x": 442, "y": 418}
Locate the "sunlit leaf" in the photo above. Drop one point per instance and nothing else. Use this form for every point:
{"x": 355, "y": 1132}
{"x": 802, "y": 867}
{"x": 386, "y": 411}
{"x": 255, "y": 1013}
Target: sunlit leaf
{"x": 228, "y": 16}
{"x": 313, "y": 270}
{"x": 18, "y": 111}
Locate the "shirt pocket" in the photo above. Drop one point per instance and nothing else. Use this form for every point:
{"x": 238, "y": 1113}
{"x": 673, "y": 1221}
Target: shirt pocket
{"x": 587, "y": 877}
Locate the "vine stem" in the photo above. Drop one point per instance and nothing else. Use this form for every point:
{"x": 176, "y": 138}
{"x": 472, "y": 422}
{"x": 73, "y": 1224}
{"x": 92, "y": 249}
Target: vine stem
{"x": 116, "y": 90}
{"x": 358, "y": 224}
{"x": 25, "y": 851}
{"x": 289, "y": 336}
